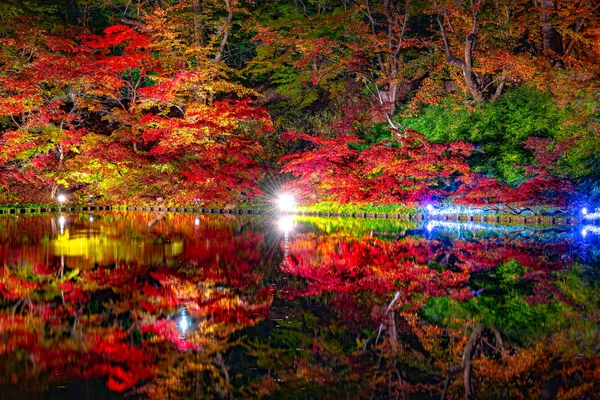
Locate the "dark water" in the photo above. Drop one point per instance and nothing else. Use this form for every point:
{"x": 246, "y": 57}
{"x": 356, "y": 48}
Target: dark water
{"x": 142, "y": 305}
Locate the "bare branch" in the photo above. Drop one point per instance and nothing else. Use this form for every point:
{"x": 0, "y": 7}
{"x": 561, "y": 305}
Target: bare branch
{"x": 226, "y": 30}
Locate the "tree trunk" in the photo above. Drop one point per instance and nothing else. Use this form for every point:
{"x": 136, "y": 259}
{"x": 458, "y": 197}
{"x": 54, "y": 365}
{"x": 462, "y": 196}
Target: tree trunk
{"x": 198, "y": 34}
{"x": 551, "y": 39}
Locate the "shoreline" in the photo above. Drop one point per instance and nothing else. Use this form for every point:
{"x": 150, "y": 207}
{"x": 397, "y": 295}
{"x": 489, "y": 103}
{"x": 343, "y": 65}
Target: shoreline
{"x": 487, "y": 218}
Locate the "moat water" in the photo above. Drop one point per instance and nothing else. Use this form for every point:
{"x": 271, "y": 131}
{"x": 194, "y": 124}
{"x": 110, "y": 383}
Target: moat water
{"x": 164, "y": 305}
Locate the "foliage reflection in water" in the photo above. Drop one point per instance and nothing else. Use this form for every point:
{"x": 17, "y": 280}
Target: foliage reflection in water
{"x": 143, "y": 305}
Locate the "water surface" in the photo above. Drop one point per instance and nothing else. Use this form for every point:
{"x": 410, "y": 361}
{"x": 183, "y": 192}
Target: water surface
{"x": 160, "y": 305}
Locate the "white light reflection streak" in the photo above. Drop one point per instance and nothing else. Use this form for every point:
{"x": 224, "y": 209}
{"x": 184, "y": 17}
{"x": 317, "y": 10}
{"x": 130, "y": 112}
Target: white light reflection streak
{"x": 61, "y": 224}
{"x": 590, "y": 229}
{"x": 286, "y": 224}
{"x": 452, "y": 210}
{"x": 592, "y": 216}
{"x": 458, "y": 226}
{"x": 183, "y": 323}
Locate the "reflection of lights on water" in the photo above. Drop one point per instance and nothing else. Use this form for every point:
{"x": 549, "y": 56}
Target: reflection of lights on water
{"x": 197, "y": 221}
{"x": 286, "y": 202}
{"x": 286, "y": 244}
{"x": 91, "y": 218}
{"x": 430, "y": 226}
{"x": 61, "y": 223}
{"x": 589, "y": 215}
{"x": 584, "y": 210}
{"x": 183, "y": 324}
{"x": 286, "y": 224}
{"x": 452, "y": 210}
{"x": 457, "y": 225}
{"x": 590, "y": 229}
{"x": 61, "y": 198}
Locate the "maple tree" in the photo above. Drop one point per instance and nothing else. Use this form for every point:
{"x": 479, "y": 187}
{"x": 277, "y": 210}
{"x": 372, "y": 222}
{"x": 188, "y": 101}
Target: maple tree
{"x": 150, "y": 114}
{"x": 129, "y": 110}
{"x": 408, "y": 169}
{"x": 542, "y": 187}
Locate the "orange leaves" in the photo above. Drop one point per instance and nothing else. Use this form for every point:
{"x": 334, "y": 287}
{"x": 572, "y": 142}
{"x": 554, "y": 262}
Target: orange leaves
{"x": 146, "y": 106}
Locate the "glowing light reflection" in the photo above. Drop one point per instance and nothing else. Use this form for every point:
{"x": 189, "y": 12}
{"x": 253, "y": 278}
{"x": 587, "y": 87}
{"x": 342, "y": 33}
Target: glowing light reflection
{"x": 286, "y": 224}
{"x": 457, "y": 226}
{"x": 61, "y": 223}
{"x": 452, "y": 210}
{"x": 430, "y": 226}
{"x": 183, "y": 324}
{"x": 591, "y": 216}
{"x": 590, "y": 229}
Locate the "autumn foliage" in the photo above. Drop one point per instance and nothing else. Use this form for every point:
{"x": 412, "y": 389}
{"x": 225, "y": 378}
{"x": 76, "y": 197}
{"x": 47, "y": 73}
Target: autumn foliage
{"x": 407, "y": 169}
{"x": 116, "y": 114}
{"x": 174, "y": 100}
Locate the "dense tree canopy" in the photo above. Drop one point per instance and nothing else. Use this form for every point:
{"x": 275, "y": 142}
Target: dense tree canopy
{"x": 186, "y": 100}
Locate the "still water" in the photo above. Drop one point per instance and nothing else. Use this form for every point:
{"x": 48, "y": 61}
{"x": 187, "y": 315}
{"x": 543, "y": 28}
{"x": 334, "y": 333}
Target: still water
{"x": 147, "y": 305}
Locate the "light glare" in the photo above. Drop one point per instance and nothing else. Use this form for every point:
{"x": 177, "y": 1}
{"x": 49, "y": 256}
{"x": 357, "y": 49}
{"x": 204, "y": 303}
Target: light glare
{"x": 286, "y": 224}
{"x": 61, "y": 198}
{"x": 286, "y": 202}
{"x": 429, "y": 207}
{"x": 584, "y": 210}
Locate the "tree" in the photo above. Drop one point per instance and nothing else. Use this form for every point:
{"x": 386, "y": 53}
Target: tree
{"x": 406, "y": 170}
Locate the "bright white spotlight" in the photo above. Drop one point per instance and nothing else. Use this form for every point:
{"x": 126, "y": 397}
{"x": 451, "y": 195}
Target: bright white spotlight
{"x": 429, "y": 207}
{"x": 429, "y": 226}
{"x": 197, "y": 221}
{"x": 91, "y": 218}
{"x": 584, "y": 210}
{"x": 583, "y": 233}
{"x": 286, "y": 202}
{"x": 61, "y": 198}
